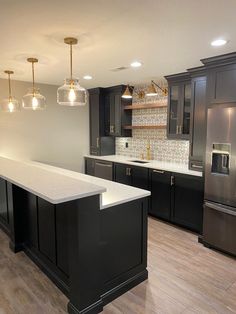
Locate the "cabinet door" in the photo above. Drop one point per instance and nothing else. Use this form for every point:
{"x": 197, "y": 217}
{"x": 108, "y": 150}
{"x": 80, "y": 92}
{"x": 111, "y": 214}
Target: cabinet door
{"x": 94, "y": 123}
{"x": 221, "y": 84}
{"x": 3, "y": 201}
{"x": 89, "y": 166}
{"x": 32, "y": 219}
{"x": 160, "y": 194}
{"x": 122, "y": 174}
{"x": 46, "y": 225}
{"x": 184, "y": 128}
{"x": 62, "y": 232}
{"x": 187, "y": 209}
{"x": 112, "y": 113}
{"x": 198, "y": 124}
{"x": 140, "y": 177}
{"x": 173, "y": 114}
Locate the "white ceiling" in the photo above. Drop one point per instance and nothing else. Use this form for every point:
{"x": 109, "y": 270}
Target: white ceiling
{"x": 168, "y": 36}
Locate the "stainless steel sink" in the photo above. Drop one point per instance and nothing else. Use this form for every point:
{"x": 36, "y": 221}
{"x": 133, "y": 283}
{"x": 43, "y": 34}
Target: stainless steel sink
{"x": 140, "y": 161}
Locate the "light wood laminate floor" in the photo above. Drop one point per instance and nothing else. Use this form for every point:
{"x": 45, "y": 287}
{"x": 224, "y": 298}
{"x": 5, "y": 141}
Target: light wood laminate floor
{"x": 184, "y": 277}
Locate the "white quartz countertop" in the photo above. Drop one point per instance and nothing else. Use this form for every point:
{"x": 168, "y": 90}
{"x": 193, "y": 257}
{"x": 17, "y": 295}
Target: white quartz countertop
{"x": 152, "y": 164}
{"x": 58, "y": 185}
{"x": 115, "y": 194}
{"x": 53, "y": 187}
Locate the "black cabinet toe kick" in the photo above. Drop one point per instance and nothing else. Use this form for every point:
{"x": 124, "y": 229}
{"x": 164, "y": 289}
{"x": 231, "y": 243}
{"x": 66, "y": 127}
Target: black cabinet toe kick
{"x": 92, "y": 255}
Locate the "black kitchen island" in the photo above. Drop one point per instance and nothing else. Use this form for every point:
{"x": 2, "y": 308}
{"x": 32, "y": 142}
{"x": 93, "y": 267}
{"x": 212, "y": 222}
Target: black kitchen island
{"x": 90, "y": 242}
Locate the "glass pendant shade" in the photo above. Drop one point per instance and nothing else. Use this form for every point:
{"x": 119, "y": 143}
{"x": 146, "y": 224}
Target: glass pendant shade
{"x": 10, "y": 105}
{"x": 72, "y": 94}
{"x": 33, "y": 100}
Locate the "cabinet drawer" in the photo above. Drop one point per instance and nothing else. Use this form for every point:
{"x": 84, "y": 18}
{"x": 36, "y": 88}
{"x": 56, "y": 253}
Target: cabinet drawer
{"x": 219, "y": 228}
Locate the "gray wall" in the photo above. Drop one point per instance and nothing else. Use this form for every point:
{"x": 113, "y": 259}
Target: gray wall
{"x": 57, "y": 135}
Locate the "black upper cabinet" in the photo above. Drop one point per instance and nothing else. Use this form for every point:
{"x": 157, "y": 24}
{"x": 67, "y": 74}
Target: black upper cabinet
{"x": 187, "y": 205}
{"x": 221, "y": 78}
{"x": 99, "y": 120}
{"x": 198, "y": 118}
{"x": 118, "y": 116}
{"x": 160, "y": 182}
{"x": 179, "y": 106}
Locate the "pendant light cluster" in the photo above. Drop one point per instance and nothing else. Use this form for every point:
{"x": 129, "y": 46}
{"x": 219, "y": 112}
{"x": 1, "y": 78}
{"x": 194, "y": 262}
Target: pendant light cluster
{"x": 70, "y": 94}
{"x": 151, "y": 91}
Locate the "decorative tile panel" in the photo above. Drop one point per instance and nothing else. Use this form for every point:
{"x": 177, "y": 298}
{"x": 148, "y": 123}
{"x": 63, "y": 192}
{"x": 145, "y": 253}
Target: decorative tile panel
{"x": 162, "y": 149}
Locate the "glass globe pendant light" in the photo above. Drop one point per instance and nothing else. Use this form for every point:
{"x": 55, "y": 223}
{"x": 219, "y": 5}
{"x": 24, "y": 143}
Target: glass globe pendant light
{"x": 71, "y": 93}
{"x": 10, "y": 104}
{"x": 33, "y": 99}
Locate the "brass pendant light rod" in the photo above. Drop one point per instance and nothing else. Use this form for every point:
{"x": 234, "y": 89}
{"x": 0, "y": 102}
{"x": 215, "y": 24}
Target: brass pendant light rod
{"x": 163, "y": 90}
{"x": 8, "y": 72}
{"x": 33, "y": 61}
{"x": 71, "y": 41}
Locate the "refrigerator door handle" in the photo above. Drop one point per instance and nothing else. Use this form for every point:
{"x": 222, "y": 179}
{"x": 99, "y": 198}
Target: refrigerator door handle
{"x": 221, "y": 208}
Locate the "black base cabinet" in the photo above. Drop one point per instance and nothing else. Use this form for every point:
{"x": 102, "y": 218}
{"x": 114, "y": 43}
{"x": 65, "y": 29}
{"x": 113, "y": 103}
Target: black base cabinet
{"x": 131, "y": 175}
{"x": 160, "y": 194}
{"x": 187, "y": 207}
{"x": 176, "y": 198}
{"x": 92, "y": 255}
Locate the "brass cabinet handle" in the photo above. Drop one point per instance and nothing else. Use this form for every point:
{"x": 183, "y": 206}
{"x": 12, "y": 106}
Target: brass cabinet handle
{"x": 172, "y": 180}
{"x": 180, "y": 129}
{"x": 97, "y": 142}
{"x": 177, "y": 129}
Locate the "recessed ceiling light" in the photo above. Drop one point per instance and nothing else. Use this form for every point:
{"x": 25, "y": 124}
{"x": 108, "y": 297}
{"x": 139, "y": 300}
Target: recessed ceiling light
{"x": 218, "y": 42}
{"x": 135, "y": 64}
{"x": 87, "y": 77}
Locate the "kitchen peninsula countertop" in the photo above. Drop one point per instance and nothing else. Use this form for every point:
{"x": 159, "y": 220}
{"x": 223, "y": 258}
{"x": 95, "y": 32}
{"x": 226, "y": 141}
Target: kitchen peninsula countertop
{"x": 58, "y": 185}
{"x": 151, "y": 164}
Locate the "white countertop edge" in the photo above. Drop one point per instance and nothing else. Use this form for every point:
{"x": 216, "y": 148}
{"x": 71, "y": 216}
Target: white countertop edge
{"x": 59, "y": 200}
{"x": 126, "y": 200}
{"x": 151, "y": 164}
{"x": 107, "y": 194}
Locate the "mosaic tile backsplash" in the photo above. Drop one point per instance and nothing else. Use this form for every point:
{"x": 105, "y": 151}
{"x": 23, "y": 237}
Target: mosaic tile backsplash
{"x": 162, "y": 149}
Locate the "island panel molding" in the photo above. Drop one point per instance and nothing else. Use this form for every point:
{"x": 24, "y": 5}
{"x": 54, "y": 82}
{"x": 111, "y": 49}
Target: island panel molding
{"x": 73, "y": 241}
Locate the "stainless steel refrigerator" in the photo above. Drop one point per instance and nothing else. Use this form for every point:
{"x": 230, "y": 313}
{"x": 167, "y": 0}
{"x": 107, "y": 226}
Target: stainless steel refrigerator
{"x": 219, "y": 223}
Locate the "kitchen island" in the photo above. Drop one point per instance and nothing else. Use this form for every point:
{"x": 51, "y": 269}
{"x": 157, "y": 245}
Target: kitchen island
{"x": 88, "y": 235}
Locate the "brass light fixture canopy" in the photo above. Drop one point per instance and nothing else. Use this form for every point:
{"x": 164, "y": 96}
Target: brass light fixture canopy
{"x": 10, "y": 104}
{"x": 9, "y": 72}
{"x": 33, "y": 99}
{"x": 71, "y": 41}
{"x": 127, "y": 93}
{"x": 71, "y": 93}
{"x": 32, "y": 60}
